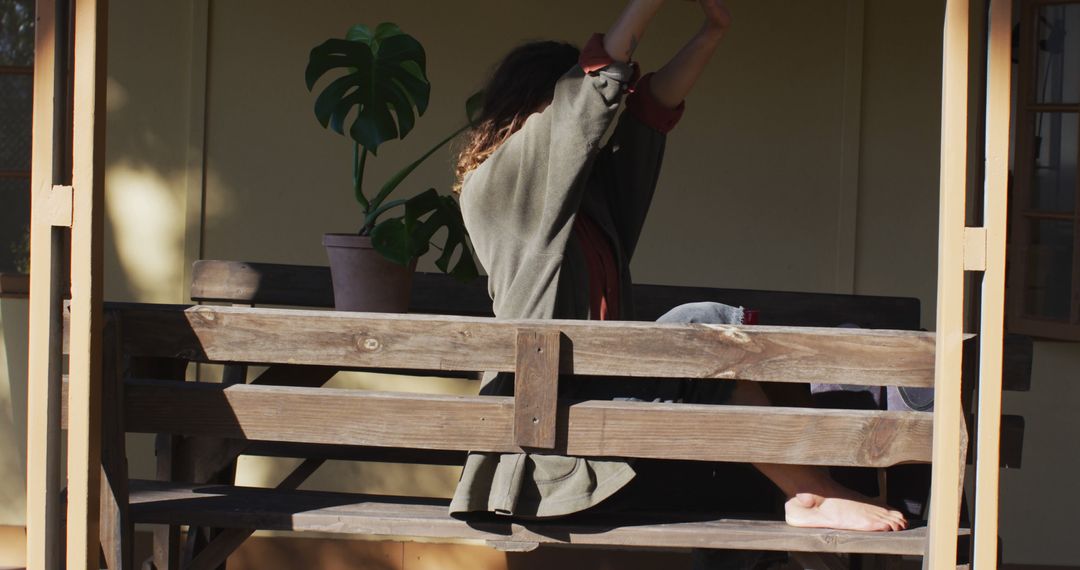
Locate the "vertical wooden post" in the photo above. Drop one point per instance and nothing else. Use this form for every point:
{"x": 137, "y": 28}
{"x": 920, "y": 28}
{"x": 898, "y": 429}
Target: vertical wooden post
{"x": 43, "y": 501}
{"x": 991, "y": 334}
{"x": 945, "y": 491}
{"x": 88, "y": 177}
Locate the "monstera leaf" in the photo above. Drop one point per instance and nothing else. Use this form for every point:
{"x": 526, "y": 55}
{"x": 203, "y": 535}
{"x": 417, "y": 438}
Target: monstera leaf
{"x": 383, "y": 78}
{"x": 404, "y": 238}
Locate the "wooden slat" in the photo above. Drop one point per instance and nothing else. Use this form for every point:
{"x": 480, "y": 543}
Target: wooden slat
{"x": 43, "y": 482}
{"x": 434, "y": 293}
{"x": 356, "y": 514}
{"x": 945, "y": 493}
{"x": 988, "y": 433}
{"x": 87, "y": 283}
{"x": 484, "y": 423}
{"x": 117, "y": 531}
{"x": 536, "y": 388}
{"x": 429, "y": 342}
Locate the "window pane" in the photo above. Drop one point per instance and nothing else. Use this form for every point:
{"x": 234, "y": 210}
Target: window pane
{"x": 1058, "y": 52}
{"x": 16, "y": 107}
{"x": 1056, "y": 137}
{"x": 16, "y": 33}
{"x": 1049, "y": 267}
{"x": 14, "y": 225}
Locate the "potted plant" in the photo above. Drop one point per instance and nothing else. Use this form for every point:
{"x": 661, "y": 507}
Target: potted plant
{"x": 380, "y": 89}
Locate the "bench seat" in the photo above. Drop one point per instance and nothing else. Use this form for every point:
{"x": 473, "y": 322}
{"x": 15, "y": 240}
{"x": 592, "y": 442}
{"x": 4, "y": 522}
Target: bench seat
{"x": 225, "y": 506}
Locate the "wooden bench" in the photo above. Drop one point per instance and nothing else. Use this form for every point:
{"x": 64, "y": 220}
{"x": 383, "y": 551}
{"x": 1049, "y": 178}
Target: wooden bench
{"x": 202, "y": 427}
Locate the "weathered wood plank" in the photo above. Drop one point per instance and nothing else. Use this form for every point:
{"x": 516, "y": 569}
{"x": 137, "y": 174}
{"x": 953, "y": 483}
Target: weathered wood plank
{"x": 536, "y": 388}
{"x": 116, "y": 530}
{"x": 356, "y": 514}
{"x": 766, "y": 354}
{"x": 478, "y": 423}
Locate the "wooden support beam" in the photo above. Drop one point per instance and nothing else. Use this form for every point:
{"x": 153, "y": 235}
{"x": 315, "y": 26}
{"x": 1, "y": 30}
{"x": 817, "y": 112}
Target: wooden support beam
{"x": 760, "y": 353}
{"x": 589, "y": 429}
{"x": 117, "y": 530}
{"x": 991, "y": 333}
{"x": 43, "y": 502}
{"x": 87, "y": 284}
{"x": 536, "y": 388}
{"x": 945, "y": 494}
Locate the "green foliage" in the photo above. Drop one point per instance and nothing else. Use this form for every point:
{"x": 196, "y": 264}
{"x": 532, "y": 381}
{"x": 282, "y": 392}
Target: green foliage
{"x": 381, "y": 83}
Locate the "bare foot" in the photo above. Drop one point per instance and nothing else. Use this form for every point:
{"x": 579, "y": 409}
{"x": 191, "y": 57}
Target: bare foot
{"x": 816, "y": 511}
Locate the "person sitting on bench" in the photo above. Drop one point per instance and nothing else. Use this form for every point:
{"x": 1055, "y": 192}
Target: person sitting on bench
{"x": 555, "y": 214}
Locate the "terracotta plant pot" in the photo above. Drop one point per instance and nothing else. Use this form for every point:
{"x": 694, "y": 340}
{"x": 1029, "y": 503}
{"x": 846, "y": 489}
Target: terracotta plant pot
{"x": 363, "y": 279}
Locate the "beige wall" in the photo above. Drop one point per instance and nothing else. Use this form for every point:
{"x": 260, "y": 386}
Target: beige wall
{"x": 1038, "y": 501}
{"x": 807, "y": 161}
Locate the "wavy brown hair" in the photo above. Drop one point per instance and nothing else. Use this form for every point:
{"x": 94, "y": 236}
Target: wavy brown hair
{"x": 523, "y": 83}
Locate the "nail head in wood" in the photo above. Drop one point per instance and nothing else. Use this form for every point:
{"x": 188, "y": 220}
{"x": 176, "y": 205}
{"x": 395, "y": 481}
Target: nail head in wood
{"x": 536, "y": 388}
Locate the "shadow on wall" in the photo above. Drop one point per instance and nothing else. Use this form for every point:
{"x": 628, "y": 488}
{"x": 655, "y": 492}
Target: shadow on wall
{"x": 13, "y": 355}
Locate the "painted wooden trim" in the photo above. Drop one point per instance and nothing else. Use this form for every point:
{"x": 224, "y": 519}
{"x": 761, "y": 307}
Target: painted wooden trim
{"x": 14, "y": 285}
{"x": 945, "y": 492}
{"x": 975, "y": 249}
{"x": 43, "y": 504}
{"x": 850, "y": 147}
{"x": 991, "y": 329}
{"x": 87, "y": 262}
{"x": 195, "y": 185}
{"x": 60, "y": 206}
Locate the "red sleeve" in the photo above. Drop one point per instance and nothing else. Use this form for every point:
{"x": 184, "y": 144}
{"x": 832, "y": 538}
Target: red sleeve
{"x": 645, "y": 108}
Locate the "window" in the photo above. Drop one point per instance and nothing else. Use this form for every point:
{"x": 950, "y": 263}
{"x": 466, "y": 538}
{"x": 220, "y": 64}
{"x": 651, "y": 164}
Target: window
{"x": 16, "y": 107}
{"x": 1044, "y": 251}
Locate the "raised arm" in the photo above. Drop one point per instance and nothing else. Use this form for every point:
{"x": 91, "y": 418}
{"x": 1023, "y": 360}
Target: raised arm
{"x": 625, "y": 34}
{"x": 673, "y": 82}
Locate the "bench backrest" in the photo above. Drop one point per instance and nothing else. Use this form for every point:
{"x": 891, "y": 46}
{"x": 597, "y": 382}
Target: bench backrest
{"x": 435, "y": 293}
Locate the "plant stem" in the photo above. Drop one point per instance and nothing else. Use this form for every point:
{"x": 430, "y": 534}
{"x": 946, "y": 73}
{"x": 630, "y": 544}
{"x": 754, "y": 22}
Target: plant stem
{"x": 359, "y": 160}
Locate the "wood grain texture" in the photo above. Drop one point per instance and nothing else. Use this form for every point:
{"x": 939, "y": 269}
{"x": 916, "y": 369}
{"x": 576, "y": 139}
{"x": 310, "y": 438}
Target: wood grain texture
{"x": 154, "y": 502}
{"x": 595, "y": 428}
{"x": 536, "y": 388}
{"x": 429, "y": 342}
{"x": 116, "y": 529}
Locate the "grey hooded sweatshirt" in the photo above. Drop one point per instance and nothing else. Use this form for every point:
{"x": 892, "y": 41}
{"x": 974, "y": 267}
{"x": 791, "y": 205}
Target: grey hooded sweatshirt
{"x": 519, "y": 207}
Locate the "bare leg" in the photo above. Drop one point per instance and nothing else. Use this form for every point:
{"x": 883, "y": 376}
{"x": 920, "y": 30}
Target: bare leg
{"x": 814, "y": 498}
